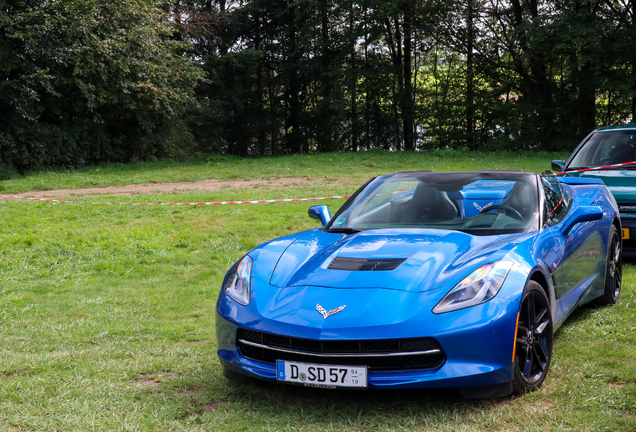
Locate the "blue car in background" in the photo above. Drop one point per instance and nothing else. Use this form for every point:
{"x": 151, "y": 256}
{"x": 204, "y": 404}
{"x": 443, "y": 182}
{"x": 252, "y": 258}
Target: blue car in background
{"x": 424, "y": 280}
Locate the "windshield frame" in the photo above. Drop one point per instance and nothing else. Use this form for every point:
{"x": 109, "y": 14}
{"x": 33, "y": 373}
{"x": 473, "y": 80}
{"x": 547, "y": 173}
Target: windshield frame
{"x": 566, "y": 195}
{"x": 453, "y": 178}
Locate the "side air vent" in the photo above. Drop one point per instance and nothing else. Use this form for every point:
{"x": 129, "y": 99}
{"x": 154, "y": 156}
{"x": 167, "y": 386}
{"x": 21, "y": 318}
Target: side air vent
{"x": 363, "y": 264}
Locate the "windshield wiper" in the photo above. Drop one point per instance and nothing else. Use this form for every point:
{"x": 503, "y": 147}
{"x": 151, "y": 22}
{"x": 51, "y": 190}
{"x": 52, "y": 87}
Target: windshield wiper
{"x": 609, "y": 168}
{"x": 624, "y": 167}
{"x": 619, "y": 168}
{"x": 343, "y": 230}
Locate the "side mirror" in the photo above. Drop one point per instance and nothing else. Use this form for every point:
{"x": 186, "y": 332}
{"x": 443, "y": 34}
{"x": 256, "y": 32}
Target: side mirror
{"x": 320, "y": 213}
{"x": 581, "y": 214}
{"x": 558, "y": 165}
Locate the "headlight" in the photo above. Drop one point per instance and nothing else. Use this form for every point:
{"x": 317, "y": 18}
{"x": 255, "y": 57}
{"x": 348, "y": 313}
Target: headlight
{"x": 476, "y": 288}
{"x": 237, "y": 286}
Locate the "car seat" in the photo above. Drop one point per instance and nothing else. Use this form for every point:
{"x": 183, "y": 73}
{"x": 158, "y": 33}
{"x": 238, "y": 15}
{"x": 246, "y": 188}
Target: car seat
{"x": 428, "y": 205}
{"x": 622, "y": 153}
{"x": 521, "y": 199}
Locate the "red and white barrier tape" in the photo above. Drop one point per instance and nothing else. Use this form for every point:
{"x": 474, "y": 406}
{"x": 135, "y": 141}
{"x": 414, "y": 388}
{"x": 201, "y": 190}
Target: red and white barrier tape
{"x": 258, "y": 201}
{"x": 165, "y": 204}
{"x": 596, "y": 168}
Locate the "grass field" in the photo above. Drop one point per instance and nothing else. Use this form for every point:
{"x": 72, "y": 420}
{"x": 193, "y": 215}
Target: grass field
{"x": 107, "y": 312}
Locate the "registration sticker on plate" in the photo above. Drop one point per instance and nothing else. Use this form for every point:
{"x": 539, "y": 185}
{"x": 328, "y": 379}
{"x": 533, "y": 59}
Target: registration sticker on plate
{"x": 317, "y": 375}
{"x": 625, "y": 233}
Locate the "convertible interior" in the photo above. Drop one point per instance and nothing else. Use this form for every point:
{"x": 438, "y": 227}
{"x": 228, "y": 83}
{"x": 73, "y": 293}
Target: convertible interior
{"x": 499, "y": 205}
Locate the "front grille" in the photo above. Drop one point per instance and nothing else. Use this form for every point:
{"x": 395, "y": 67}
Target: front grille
{"x": 363, "y": 264}
{"x": 378, "y": 355}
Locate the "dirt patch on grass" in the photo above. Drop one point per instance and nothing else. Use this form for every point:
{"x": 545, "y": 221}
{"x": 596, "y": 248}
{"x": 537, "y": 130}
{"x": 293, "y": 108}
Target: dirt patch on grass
{"x": 212, "y": 406}
{"x": 148, "y": 382}
{"x": 191, "y": 389}
{"x": 15, "y": 373}
{"x": 154, "y": 379}
{"x": 147, "y": 188}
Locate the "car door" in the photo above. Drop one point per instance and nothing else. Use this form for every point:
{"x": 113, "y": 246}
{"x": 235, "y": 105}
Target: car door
{"x": 579, "y": 249}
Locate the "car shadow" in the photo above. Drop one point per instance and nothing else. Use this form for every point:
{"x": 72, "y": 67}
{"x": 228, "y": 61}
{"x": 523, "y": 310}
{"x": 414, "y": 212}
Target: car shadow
{"x": 629, "y": 260}
{"x": 253, "y": 404}
{"x": 383, "y": 402}
{"x": 580, "y": 314}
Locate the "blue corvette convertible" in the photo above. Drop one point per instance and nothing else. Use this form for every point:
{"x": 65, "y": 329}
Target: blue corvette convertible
{"x": 424, "y": 280}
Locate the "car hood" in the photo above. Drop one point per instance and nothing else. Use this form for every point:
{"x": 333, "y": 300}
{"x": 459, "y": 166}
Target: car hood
{"x": 432, "y": 258}
{"x": 622, "y": 184}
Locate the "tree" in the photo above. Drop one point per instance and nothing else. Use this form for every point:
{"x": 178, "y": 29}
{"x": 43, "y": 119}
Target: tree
{"x": 85, "y": 81}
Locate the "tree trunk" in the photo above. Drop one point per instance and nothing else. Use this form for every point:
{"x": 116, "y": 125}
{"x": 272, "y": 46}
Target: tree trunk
{"x": 367, "y": 98}
{"x": 470, "y": 92}
{"x": 273, "y": 112}
{"x": 260, "y": 134}
{"x": 587, "y": 98}
{"x": 353, "y": 81}
{"x": 324, "y": 114}
{"x": 407, "y": 94}
{"x": 395, "y": 49}
{"x": 294, "y": 136}
{"x": 585, "y": 80}
{"x": 632, "y": 15}
{"x": 535, "y": 77}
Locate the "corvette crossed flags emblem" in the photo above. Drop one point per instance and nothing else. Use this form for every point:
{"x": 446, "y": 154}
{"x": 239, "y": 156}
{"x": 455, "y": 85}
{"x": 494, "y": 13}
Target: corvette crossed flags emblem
{"x": 326, "y": 314}
{"x": 480, "y": 208}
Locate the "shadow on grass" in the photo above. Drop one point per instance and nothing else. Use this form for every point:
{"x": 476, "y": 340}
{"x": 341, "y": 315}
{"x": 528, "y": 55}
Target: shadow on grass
{"x": 347, "y": 405}
{"x": 580, "y": 314}
{"x": 209, "y": 399}
{"x": 584, "y": 312}
{"x": 214, "y": 401}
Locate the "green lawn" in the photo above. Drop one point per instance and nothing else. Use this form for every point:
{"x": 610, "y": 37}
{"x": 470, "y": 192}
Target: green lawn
{"x": 107, "y": 312}
{"x": 352, "y": 169}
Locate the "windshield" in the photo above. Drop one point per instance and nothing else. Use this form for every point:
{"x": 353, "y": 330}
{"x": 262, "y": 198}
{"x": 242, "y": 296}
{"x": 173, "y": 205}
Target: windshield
{"x": 606, "y": 148}
{"x": 483, "y": 203}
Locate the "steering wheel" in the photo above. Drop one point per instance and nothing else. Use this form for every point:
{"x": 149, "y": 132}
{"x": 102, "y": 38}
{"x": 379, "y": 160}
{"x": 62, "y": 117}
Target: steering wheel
{"x": 514, "y": 213}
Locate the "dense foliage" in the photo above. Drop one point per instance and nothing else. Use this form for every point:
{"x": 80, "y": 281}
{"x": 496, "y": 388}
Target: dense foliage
{"x": 84, "y": 81}
{"x": 306, "y": 75}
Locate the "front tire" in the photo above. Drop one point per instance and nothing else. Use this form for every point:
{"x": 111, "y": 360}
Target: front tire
{"x": 533, "y": 346}
{"x": 613, "y": 270}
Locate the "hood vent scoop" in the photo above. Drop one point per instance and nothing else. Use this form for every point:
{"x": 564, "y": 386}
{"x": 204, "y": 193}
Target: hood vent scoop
{"x": 363, "y": 264}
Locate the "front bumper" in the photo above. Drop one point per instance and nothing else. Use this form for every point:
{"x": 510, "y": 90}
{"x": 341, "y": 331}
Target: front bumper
{"x": 478, "y": 343}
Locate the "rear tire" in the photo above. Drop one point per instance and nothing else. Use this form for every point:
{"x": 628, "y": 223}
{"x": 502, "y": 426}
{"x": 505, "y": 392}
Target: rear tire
{"x": 533, "y": 346}
{"x": 613, "y": 270}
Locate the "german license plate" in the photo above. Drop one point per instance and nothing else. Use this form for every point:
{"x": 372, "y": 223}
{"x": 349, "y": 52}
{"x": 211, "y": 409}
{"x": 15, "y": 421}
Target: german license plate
{"x": 317, "y": 375}
{"x": 625, "y": 233}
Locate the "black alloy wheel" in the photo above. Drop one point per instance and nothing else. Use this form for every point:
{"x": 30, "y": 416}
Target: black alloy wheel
{"x": 613, "y": 270}
{"x": 533, "y": 346}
